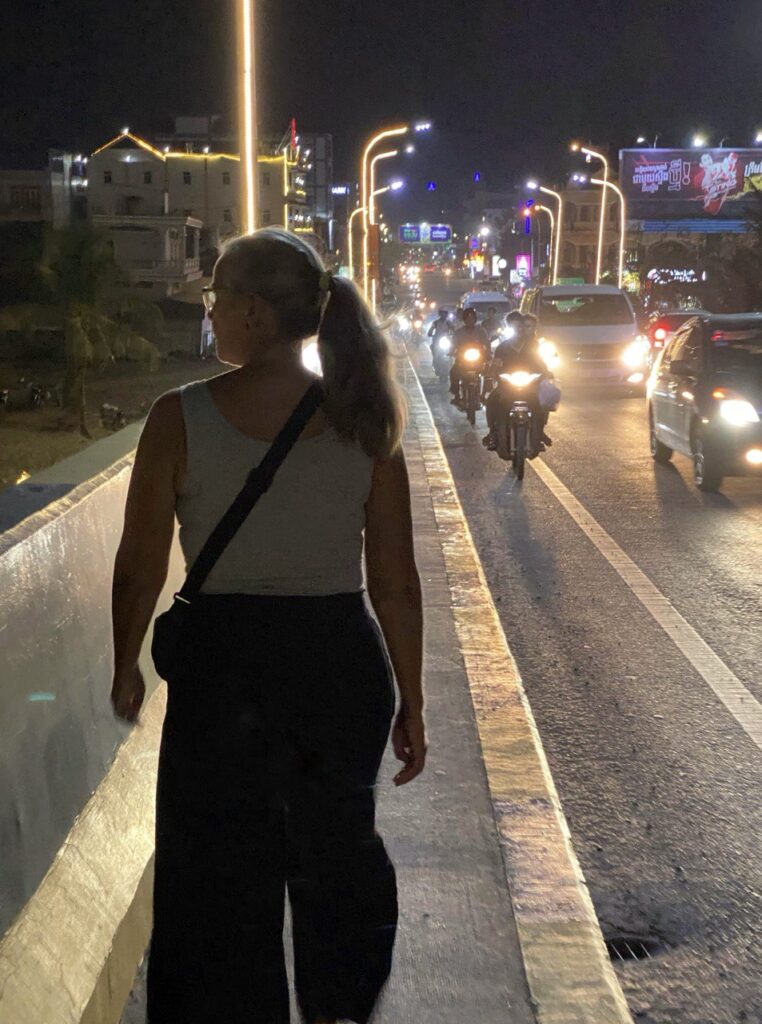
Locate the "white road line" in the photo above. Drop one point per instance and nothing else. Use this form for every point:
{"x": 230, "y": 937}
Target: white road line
{"x": 742, "y": 704}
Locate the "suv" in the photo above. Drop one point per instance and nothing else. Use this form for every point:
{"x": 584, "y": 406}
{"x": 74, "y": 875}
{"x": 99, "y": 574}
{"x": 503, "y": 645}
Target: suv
{"x": 589, "y": 334}
{"x": 705, "y": 397}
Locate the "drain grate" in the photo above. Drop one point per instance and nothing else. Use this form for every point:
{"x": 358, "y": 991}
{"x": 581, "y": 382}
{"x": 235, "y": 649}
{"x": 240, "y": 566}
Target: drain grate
{"x": 634, "y": 947}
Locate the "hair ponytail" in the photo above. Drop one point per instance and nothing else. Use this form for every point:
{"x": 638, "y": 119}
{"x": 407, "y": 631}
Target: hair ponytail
{"x": 364, "y": 402}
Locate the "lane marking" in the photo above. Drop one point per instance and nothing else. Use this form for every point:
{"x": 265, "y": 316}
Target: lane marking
{"x": 739, "y": 701}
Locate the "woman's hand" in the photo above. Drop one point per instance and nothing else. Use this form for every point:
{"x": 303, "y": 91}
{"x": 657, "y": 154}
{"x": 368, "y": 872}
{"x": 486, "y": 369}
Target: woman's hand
{"x": 410, "y": 744}
{"x": 127, "y": 694}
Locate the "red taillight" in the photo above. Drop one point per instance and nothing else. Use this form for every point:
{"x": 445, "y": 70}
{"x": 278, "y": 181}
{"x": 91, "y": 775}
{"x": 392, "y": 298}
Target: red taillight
{"x": 660, "y": 334}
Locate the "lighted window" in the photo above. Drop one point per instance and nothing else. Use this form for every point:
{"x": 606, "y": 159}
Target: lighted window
{"x": 107, "y": 177}
{"x": 146, "y": 177}
{"x": 226, "y": 177}
{"x": 186, "y": 177}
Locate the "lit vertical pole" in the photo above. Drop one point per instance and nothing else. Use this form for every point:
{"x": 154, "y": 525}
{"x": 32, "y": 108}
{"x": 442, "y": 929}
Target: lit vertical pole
{"x": 350, "y": 244}
{"x": 365, "y": 189}
{"x": 247, "y": 114}
{"x": 386, "y": 155}
{"x": 553, "y": 235}
{"x": 602, "y": 158}
{"x": 285, "y": 189}
{"x": 558, "y": 228}
{"x": 623, "y": 221}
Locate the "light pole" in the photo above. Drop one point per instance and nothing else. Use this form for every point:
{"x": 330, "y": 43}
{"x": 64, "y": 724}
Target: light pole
{"x": 553, "y": 236}
{"x": 623, "y": 221}
{"x": 350, "y": 252}
{"x": 559, "y": 223}
{"x": 371, "y": 218}
{"x": 386, "y": 133}
{"x": 247, "y": 114}
{"x": 598, "y": 156}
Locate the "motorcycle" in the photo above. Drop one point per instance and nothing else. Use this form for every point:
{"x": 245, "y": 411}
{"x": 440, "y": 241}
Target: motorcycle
{"x": 471, "y": 381}
{"x": 514, "y": 442}
{"x": 441, "y": 358}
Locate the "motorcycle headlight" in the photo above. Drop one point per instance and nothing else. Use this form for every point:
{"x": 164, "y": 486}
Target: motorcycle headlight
{"x": 418, "y": 324}
{"x": 444, "y": 345}
{"x": 472, "y": 355}
{"x": 507, "y": 333}
{"x": 738, "y": 412}
{"x": 520, "y": 378}
{"x": 635, "y": 353}
{"x": 549, "y": 353}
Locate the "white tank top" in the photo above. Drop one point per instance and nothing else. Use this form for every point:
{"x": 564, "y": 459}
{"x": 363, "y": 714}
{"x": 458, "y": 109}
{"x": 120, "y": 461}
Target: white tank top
{"x": 305, "y": 534}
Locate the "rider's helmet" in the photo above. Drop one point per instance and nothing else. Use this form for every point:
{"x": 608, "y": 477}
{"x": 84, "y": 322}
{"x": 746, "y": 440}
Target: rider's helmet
{"x": 442, "y": 314}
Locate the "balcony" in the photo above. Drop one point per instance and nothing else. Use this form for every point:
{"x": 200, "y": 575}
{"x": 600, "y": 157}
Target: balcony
{"x": 164, "y": 270}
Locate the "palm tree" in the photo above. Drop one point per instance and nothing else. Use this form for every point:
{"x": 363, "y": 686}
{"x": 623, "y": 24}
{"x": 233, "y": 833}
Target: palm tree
{"x": 80, "y": 274}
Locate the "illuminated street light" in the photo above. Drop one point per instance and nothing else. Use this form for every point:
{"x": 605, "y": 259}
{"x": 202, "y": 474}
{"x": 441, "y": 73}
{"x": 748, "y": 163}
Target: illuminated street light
{"x": 350, "y": 251}
{"x": 552, "y": 219}
{"x": 641, "y": 139}
{"x": 396, "y": 185}
{"x": 247, "y": 115}
{"x": 410, "y": 149}
{"x": 484, "y": 232}
{"x": 422, "y": 126}
{"x": 556, "y": 241}
{"x": 590, "y": 153}
{"x": 365, "y": 190}
{"x": 758, "y": 137}
{"x": 623, "y": 221}
{"x": 699, "y": 141}
{"x": 371, "y": 218}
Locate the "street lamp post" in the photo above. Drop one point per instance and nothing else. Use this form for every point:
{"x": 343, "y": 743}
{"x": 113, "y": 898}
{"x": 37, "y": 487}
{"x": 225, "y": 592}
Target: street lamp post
{"x": 553, "y": 236}
{"x": 598, "y": 156}
{"x": 350, "y": 252}
{"x": 559, "y": 223}
{"x": 623, "y": 221}
{"x": 247, "y": 114}
{"x": 386, "y": 155}
{"x": 365, "y": 189}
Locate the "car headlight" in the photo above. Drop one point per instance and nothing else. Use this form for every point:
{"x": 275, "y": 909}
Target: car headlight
{"x": 520, "y": 378}
{"x": 738, "y": 412}
{"x": 549, "y": 353}
{"x": 444, "y": 344}
{"x": 635, "y": 354}
{"x": 472, "y": 355}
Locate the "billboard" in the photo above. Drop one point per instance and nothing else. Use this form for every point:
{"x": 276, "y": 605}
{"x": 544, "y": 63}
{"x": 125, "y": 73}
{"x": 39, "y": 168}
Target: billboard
{"x": 425, "y": 234}
{"x": 690, "y": 182}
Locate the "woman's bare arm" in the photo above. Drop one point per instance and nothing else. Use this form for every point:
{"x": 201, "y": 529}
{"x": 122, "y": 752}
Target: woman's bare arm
{"x": 142, "y": 559}
{"x": 394, "y": 587}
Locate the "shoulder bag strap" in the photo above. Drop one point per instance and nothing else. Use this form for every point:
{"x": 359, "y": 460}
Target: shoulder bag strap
{"x": 257, "y": 482}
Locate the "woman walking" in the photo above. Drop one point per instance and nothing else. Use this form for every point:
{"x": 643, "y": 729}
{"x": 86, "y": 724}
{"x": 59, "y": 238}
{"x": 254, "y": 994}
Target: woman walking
{"x": 280, "y": 704}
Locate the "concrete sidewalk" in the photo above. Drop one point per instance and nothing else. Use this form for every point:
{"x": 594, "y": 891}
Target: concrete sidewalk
{"x": 496, "y": 925}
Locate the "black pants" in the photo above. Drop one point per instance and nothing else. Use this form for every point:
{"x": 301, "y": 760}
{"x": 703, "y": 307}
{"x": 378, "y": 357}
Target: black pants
{"x": 269, "y": 755}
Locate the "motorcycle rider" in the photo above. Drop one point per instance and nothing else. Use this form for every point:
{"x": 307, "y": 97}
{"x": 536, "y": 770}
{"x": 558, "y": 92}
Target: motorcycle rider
{"x": 440, "y": 326}
{"x": 491, "y": 323}
{"x": 470, "y": 334}
{"x": 520, "y": 352}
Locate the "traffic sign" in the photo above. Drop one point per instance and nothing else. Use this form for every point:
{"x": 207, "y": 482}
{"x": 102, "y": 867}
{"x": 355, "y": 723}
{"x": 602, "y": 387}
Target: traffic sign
{"x": 410, "y": 233}
{"x": 431, "y": 186}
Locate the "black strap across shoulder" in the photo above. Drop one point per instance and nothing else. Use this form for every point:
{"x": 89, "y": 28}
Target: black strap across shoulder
{"x": 257, "y": 482}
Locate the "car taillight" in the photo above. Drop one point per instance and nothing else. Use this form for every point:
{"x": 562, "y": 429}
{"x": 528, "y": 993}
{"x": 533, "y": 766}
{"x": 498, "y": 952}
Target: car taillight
{"x": 659, "y": 335}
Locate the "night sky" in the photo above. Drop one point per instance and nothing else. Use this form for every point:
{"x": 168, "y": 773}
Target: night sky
{"x": 506, "y": 84}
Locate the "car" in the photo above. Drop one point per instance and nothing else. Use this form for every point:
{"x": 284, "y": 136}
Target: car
{"x": 589, "y": 334}
{"x": 662, "y": 325}
{"x": 705, "y": 397}
{"x": 482, "y": 300}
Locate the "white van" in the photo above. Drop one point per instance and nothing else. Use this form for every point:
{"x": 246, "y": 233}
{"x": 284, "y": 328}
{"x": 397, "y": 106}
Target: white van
{"x": 482, "y": 300}
{"x": 590, "y": 333}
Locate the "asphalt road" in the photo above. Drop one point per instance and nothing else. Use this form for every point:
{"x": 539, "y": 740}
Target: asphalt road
{"x": 659, "y": 779}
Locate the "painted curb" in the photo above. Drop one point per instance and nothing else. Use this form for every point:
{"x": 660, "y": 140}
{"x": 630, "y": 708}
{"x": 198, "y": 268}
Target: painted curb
{"x": 571, "y": 979}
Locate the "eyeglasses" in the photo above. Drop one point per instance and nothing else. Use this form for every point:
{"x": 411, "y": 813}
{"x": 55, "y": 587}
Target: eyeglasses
{"x": 209, "y": 296}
